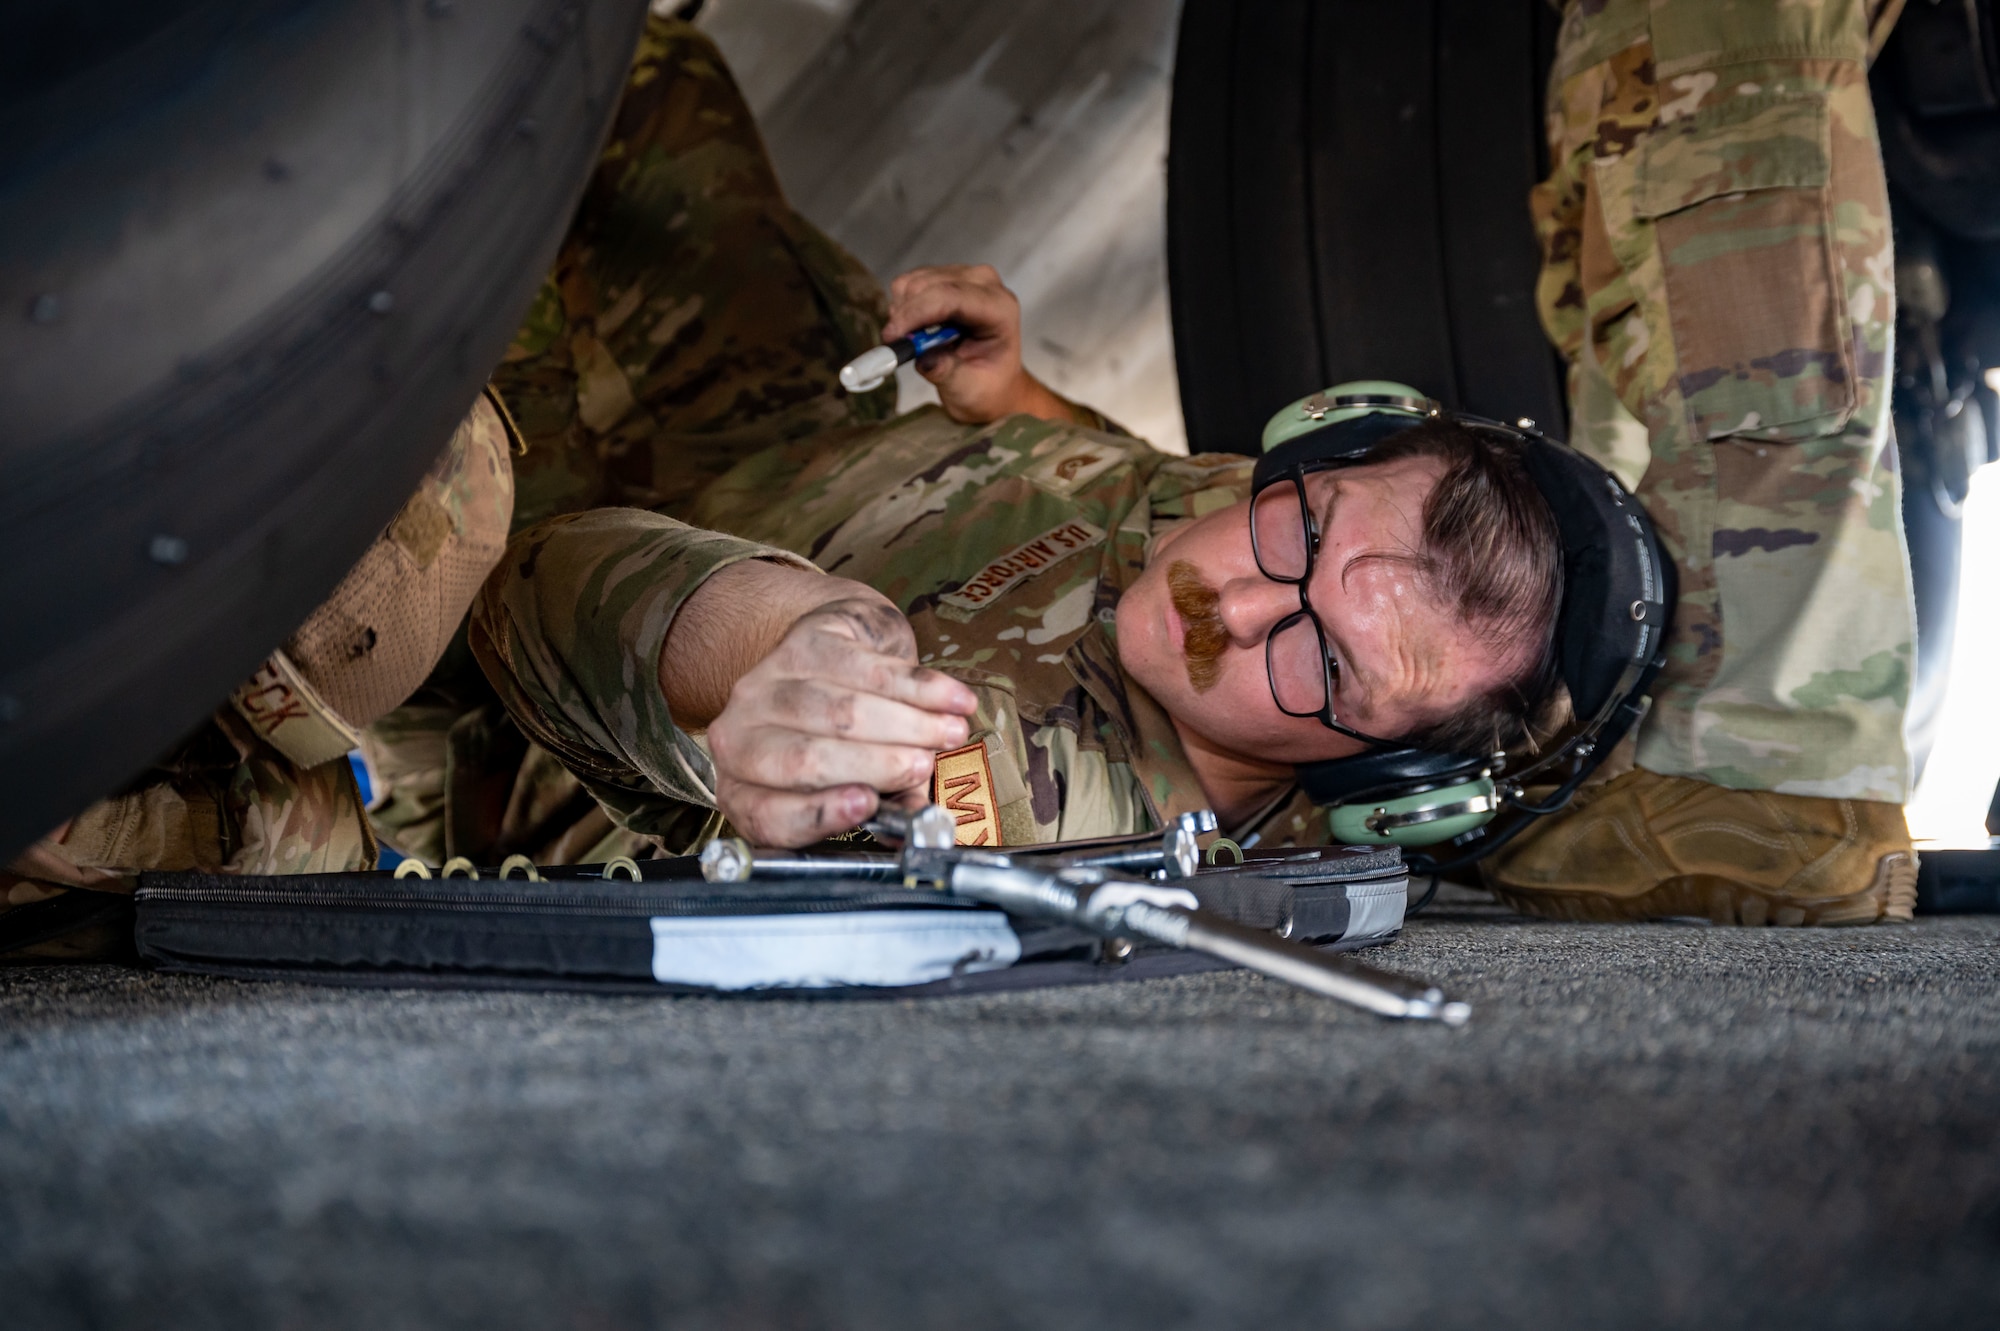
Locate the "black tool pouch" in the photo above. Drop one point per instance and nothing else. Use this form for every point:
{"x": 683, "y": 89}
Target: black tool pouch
{"x": 674, "y": 933}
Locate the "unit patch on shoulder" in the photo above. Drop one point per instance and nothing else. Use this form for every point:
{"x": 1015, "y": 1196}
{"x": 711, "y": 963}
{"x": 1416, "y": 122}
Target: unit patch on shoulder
{"x": 963, "y": 782}
{"x": 1022, "y": 562}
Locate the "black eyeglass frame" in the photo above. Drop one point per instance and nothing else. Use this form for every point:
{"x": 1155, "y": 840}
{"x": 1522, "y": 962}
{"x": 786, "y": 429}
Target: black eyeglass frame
{"x": 1329, "y": 664}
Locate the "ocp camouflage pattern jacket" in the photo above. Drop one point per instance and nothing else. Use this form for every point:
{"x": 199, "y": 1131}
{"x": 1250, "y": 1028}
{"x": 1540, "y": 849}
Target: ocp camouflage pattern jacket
{"x": 1007, "y": 546}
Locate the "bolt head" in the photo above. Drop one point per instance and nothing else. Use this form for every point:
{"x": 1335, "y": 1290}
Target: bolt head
{"x": 933, "y": 828}
{"x": 726, "y": 860}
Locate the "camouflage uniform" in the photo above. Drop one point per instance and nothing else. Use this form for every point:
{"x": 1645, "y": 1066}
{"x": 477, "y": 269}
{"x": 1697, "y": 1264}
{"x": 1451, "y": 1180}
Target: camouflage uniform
{"x": 263, "y": 786}
{"x": 1718, "y": 271}
{"x": 1006, "y": 545}
{"x": 691, "y": 314}
{"x": 691, "y": 319}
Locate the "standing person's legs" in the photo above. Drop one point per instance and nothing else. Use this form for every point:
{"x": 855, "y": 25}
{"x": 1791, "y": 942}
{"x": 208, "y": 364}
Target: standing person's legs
{"x": 1718, "y": 270}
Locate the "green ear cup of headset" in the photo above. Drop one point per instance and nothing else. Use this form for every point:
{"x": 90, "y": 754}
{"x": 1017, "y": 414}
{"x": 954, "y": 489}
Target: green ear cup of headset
{"x": 1315, "y": 412}
{"x": 1422, "y": 819}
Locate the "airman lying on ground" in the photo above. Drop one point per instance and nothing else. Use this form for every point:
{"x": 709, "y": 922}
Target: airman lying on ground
{"x": 1077, "y": 621}
{"x": 737, "y": 592}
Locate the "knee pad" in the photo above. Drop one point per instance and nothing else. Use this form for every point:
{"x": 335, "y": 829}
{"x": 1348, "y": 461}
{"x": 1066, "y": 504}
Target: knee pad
{"x": 372, "y": 643}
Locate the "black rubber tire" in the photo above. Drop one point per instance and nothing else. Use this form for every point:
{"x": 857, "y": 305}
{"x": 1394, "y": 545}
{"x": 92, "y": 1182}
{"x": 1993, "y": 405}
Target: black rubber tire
{"x": 256, "y": 259}
{"x": 1347, "y": 187}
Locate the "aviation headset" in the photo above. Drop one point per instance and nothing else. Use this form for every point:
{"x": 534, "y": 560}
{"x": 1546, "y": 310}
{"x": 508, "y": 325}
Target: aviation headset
{"x": 1611, "y": 626}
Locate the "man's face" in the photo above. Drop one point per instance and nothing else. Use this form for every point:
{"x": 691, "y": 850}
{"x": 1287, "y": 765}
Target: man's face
{"x": 1404, "y": 660}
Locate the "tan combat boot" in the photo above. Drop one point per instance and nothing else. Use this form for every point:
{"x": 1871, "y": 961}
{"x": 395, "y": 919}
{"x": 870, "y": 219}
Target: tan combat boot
{"x": 1645, "y": 847}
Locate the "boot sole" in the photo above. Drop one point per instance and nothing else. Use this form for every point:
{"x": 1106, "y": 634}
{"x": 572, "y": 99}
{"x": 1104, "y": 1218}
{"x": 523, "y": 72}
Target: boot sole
{"x": 1890, "y": 898}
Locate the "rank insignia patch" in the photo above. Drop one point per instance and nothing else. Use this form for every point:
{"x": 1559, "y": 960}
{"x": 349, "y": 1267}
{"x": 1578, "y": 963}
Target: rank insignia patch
{"x": 1074, "y": 465}
{"x": 963, "y": 782}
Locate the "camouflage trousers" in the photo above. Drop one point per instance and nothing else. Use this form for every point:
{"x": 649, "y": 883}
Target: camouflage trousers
{"x": 1718, "y": 272}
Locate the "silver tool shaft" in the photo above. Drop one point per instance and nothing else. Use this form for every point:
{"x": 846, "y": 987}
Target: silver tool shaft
{"x": 1174, "y": 851}
{"x": 1070, "y": 897}
{"x": 731, "y": 860}
{"x": 1338, "y": 977}
{"x": 1144, "y": 859}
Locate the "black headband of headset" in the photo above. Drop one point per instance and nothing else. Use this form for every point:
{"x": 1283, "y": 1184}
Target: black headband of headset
{"x": 1617, "y": 593}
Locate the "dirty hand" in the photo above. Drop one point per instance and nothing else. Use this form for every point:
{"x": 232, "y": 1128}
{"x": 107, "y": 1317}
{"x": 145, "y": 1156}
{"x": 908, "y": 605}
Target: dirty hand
{"x": 836, "y": 718}
{"x": 979, "y": 378}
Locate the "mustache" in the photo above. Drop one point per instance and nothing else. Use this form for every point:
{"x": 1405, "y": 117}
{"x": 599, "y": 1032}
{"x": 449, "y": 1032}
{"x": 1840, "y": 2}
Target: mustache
{"x": 1205, "y": 639}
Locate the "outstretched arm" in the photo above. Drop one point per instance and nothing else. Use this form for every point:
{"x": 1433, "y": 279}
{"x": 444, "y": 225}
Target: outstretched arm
{"x": 616, "y": 636}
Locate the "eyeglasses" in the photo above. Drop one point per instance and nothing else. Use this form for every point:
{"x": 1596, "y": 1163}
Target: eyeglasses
{"x": 1304, "y": 672}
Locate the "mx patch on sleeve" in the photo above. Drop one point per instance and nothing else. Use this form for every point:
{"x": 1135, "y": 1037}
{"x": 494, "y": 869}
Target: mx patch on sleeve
{"x": 962, "y": 781}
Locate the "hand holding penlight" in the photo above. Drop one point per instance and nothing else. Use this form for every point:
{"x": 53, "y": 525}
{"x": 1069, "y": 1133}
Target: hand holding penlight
{"x": 868, "y": 370}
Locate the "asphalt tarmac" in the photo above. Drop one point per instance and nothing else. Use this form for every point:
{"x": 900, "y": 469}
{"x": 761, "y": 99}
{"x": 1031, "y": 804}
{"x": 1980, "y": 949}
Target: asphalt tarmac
{"x": 1665, "y": 1125}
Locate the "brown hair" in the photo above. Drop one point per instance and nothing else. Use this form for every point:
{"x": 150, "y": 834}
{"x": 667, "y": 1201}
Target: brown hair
{"x": 1491, "y": 548}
